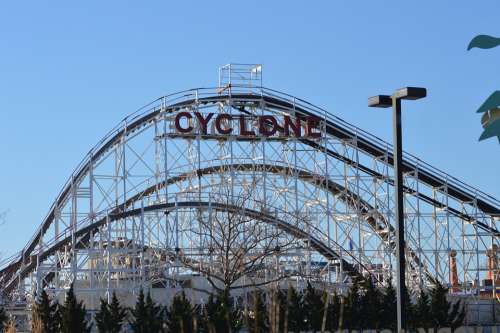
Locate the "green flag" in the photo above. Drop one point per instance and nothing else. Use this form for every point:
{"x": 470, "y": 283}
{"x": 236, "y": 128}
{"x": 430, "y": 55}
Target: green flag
{"x": 483, "y": 42}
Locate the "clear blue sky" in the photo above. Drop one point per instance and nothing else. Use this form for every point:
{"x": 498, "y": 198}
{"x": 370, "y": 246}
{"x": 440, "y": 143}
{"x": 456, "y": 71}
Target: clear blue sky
{"x": 70, "y": 71}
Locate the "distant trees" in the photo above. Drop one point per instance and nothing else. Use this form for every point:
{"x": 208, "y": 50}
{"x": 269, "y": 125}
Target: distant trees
{"x": 277, "y": 310}
{"x": 313, "y": 305}
{"x": 258, "y": 319}
{"x": 48, "y": 316}
{"x": 368, "y": 307}
{"x": 351, "y": 307}
{"x": 422, "y": 315}
{"x": 388, "y": 311}
{"x": 73, "y": 315}
{"x": 221, "y": 315}
{"x": 371, "y": 305}
{"x": 110, "y": 317}
{"x": 266, "y": 310}
{"x": 443, "y": 312}
{"x": 181, "y": 316}
{"x": 332, "y": 312}
{"x": 295, "y": 316}
{"x": 45, "y": 315}
{"x": 146, "y": 315}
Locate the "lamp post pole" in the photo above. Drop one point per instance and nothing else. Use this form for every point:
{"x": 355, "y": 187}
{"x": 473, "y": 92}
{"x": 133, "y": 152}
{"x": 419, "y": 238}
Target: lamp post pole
{"x": 399, "y": 218}
{"x": 384, "y": 101}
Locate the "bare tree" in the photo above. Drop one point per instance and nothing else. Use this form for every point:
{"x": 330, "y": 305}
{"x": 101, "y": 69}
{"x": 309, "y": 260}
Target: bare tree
{"x": 243, "y": 244}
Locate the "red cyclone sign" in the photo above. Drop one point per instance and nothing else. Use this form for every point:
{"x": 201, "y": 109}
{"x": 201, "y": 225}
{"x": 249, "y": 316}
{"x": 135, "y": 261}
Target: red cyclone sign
{"x": 266, "y": 125}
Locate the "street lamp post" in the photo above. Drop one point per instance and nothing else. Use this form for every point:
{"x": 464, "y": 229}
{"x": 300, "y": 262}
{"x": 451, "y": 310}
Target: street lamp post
{"x": 384, "y": 101}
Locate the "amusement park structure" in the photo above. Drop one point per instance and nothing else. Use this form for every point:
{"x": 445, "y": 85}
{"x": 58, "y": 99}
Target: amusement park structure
{"x": 241, "y": 186}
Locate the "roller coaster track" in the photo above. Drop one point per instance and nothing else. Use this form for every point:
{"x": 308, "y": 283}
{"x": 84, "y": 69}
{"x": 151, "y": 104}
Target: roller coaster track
{"x": 316, "y": 244}
{"x": 350, "y": 198}
{"x": 301, "y": 109}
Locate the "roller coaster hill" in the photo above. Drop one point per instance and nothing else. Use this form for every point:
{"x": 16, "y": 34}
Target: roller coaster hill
{"x": 241, "y": 186}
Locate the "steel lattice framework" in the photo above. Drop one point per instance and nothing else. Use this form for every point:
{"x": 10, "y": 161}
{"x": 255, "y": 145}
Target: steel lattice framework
{"x": 131, "y": 214}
